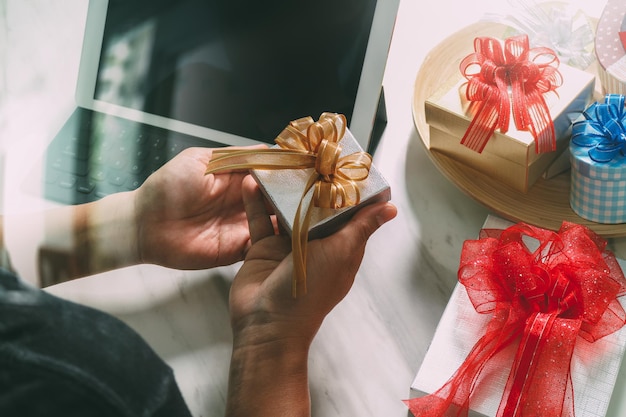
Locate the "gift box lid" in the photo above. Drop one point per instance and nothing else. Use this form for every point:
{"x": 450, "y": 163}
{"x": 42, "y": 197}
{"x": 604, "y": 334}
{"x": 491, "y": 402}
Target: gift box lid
{"x": 449, "y": 110}
{"x": 284, "y": 188}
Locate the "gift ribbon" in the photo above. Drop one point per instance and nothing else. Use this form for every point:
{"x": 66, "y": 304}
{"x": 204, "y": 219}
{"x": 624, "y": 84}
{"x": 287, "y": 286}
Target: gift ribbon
{"x": 304, "y": 144}
{"x": 529, "y": 73}
{"x": 544, "y": 298}
{"x": 604, "y": 130}
{"x": 559, "y": 26}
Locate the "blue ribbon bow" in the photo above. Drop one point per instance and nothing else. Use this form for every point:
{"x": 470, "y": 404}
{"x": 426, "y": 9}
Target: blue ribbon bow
{"x": 604, "y": 131}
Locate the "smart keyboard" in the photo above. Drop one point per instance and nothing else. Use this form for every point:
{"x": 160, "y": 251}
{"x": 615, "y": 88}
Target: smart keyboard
{"x": 96, "y": 154}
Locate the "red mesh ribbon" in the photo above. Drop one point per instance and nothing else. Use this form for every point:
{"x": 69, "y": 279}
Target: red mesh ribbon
{"x": 543, "y": 298}
{"x": 304, "y": 144}
{"x": 494, "y": 69}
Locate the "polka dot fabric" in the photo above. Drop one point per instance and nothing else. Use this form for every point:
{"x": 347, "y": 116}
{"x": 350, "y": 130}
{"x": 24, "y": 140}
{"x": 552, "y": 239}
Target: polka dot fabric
{"x": 609, "y": 49}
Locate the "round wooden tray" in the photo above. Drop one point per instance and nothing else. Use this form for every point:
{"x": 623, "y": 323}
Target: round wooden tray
{"x": 547, "y": 202}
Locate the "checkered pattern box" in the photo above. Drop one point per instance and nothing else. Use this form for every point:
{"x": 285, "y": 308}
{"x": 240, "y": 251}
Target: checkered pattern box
{"x": 598, "y": 189}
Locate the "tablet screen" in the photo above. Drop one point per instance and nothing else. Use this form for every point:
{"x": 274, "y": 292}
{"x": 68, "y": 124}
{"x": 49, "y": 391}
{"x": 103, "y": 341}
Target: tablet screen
{"x": 245, "y": 67}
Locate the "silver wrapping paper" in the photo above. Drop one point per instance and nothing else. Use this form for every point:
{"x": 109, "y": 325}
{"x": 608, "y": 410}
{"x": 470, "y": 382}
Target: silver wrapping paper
{"x": 284, "y": 188}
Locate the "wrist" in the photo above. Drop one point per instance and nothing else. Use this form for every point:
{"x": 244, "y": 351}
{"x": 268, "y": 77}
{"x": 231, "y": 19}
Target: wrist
{"x": 268, "y": 374}
{"x": 106, "y": 230}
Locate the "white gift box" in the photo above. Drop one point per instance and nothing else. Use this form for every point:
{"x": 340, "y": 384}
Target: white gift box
{"x": 594, "y": 366}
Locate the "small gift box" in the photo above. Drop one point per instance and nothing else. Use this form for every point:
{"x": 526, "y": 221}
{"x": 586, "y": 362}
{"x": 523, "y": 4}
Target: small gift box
{"x": 598, "y": 161}
{"x": 283, "y": 188}
{"x": 610, "y": 49}
{"x": 315, "y": 177}
{"x": 478, "y": 132}
{"x": 533, "y": 328}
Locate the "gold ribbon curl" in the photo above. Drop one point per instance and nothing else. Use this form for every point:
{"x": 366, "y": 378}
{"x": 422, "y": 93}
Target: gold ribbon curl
{"x": 304, "y": 144}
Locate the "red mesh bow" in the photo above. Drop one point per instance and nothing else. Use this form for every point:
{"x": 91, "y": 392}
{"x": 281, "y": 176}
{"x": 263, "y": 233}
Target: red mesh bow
{"x": 492, "y": 70}
{"x": 543, "y": 298}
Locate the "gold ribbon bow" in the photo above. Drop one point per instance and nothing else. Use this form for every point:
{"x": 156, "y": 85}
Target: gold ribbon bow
{"x": 304, "y": 144}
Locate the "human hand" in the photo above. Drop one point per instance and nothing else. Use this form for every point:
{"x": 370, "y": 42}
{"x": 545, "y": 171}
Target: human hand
{"x": 188, "y": 220}
{"x": 262, "y": 290}
{"x": 272, "y": 330}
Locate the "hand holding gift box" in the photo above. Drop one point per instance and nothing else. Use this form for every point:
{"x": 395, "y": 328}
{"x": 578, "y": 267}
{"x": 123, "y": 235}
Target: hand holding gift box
{"x": 549, "y": 296}
{"x": 315, "y": 177}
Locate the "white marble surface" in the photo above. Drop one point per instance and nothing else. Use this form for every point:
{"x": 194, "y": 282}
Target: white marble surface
{"x": 371, "y": 346}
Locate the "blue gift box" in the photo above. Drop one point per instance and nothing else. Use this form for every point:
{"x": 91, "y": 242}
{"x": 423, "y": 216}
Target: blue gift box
{"x": 598, "y": 160}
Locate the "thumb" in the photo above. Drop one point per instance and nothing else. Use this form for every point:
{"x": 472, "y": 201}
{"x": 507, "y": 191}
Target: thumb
{"x": 337, "y": 257}
{"x": 366, "y": 221}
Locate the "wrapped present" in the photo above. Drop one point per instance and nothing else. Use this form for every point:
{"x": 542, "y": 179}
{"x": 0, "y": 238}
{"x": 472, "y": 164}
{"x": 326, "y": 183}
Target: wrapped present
{"x": 560, "y": 26}
{"x": 598, "y": 161}
{"x": 315, "y": 177}
{"x": 533, "y": 328}
{"x": 610, "y": 47}
{"x": 517, "y": 176}
{"x": 476, "y": 112}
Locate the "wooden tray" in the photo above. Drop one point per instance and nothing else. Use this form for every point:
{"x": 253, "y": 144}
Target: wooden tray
{"x": 547, "y": 203}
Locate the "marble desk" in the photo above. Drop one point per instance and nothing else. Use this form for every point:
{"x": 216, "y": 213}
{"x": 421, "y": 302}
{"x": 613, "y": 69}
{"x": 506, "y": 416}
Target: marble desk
{"x": 370, "y": 347}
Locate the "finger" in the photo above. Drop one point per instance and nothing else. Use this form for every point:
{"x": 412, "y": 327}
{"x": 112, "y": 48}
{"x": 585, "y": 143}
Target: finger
{"x": 259, "y": 220}
{"x": 364, "y": 223}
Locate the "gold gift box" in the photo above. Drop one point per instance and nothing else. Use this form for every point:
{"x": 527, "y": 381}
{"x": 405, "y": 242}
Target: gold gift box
{"x": 510, "y": 157}
{"x": 284, "y": 187}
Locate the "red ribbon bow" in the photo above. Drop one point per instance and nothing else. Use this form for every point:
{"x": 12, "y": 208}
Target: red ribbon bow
{"x": 544, "y": 298}
{"x": 528, "y": 72}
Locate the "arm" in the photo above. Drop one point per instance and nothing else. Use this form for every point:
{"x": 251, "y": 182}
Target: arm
{"x": 68, "y": 242}
{"x": 272, "y": 331}
{"x": 179, "y": 218}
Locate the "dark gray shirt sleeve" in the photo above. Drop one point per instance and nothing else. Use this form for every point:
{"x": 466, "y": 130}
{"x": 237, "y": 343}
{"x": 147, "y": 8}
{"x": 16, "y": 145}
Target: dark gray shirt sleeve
{"x": 59, "y": 358}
